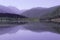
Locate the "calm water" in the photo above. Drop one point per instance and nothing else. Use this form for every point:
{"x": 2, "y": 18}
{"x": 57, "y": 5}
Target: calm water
{"x": 26, "y": 33}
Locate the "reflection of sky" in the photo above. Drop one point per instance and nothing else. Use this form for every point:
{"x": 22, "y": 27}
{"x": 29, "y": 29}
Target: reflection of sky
{"x": 28, "y": 35}
{"x": 26, "y": 4}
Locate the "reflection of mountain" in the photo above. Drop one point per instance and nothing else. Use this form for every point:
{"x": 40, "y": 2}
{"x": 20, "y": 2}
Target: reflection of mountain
{"x": 7, "y": 12}
{"x": 43, "y": 13}
{"x": 10, "y": 17}
{"x": 6, "y": 26}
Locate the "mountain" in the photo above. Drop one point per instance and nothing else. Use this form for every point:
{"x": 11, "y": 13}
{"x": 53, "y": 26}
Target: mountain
{"x": 43, "y": 13}
{"x": 35, "y": 12}
{"x": 7, "y": 25}
{"x": 9, "y": 9}
{"x": 15, "y": 10}
{"x": 39, "y": 12}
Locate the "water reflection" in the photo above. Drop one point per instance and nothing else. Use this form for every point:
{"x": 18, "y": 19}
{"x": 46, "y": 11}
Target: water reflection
{"x": 41, "y": 26}
{"x": 28, "y": 35}
{"x": 35, "y": 31}
{"x": 45, "y": 14}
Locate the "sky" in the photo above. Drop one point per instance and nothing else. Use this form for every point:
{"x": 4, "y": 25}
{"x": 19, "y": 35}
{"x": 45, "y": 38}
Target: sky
{"x": 27, "y": 4}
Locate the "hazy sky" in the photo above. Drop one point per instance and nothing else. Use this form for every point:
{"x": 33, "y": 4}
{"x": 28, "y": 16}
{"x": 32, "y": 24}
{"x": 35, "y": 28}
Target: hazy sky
{"x": 26, "y": 4}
